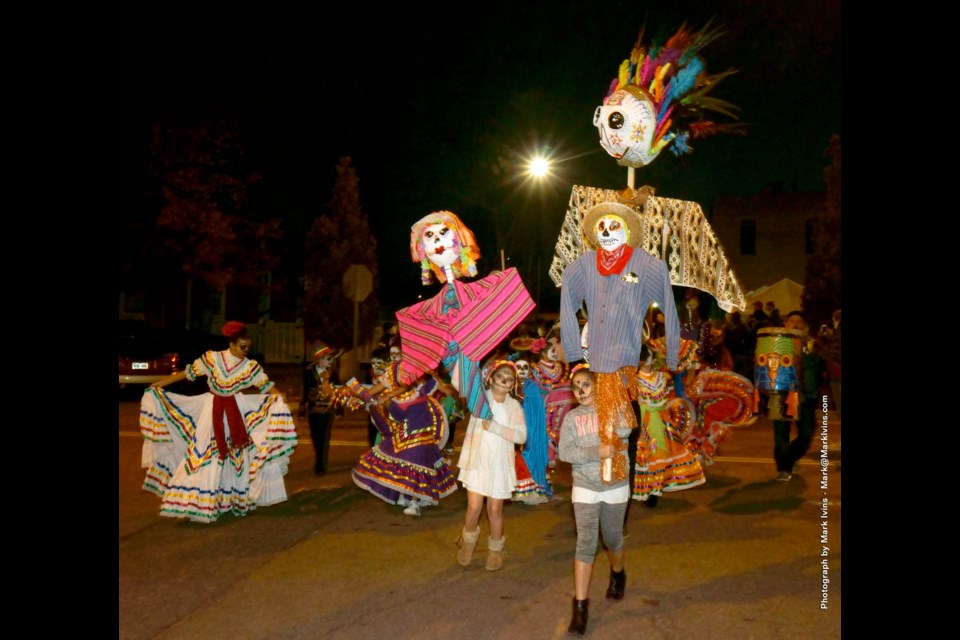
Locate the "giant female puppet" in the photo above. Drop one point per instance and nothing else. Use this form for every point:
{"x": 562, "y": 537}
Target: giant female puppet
{"x": 465, "y": 321}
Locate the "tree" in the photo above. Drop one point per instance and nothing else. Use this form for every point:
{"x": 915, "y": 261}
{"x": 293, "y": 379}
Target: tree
{"x": 339, "y": 238}
{"x": 206, "y": 227}
{"x": 821, "y": 291}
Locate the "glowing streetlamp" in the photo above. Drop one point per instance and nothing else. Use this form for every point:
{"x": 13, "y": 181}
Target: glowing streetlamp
{"x": 539, "y": 167}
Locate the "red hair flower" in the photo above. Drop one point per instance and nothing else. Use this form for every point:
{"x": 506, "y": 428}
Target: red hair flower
{"x": 232, "y": 328}
{"x": 538, "y": 345}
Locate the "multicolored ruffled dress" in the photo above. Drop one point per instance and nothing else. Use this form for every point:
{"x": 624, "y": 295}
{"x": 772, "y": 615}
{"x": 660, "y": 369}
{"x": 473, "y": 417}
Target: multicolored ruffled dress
{"x": 664, "y": 462}
{"x": 199, "y": 479}
{"x": 408, "y": 460}
{"x": 722, "y": 399}
{"x": 533, "y": 486}
{"x": 526, "y": 490}
{"x": 554, "y": 387}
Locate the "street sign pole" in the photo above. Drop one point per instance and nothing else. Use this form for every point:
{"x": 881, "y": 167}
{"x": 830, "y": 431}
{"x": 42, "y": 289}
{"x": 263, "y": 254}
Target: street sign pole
{"x": 357, "y": 285}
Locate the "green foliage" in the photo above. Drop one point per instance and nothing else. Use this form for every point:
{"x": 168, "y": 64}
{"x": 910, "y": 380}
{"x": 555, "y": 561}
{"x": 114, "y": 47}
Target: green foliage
{"x": 339, "y": 238}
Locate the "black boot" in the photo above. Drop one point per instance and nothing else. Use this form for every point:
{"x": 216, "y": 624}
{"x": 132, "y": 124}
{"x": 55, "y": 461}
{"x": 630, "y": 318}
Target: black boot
{"x": 578, "y": 623}
{"x": 618, "y": 584}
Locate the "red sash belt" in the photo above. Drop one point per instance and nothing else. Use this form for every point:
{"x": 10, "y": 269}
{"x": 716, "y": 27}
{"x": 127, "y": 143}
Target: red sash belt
{"x": 238, "y": 430}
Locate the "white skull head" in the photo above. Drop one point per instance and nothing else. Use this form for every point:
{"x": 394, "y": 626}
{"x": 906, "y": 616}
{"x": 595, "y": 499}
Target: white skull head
{"x": 627, "y": 122}
{"x": 611, "y": 232}
{"x": 440, "y": 244}
{"x": 523, "y": 368}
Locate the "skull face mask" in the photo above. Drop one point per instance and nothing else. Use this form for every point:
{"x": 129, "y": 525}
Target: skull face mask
{"x": 611, "y": 232}
{"x": 440, "y": 244}
{"x": 444, "y": 247}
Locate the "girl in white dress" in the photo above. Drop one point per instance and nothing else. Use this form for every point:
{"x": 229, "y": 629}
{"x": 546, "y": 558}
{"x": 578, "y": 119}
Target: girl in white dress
{"x": 487, "y": 462}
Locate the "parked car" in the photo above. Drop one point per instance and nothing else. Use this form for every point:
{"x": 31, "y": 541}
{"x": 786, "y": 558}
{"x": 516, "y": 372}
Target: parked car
{"x": 145, "y": 355}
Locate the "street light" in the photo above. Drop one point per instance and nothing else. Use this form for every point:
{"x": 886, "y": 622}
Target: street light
{"x": 538, "y": 167}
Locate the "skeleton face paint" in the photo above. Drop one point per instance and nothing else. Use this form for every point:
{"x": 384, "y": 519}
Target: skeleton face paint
{"x": 440, "y": 244}
{"x": 611, "y": 232}
{"x": 582, "y": 385}
{"x": 523, "y": 368}
{"x": 550, "y": 353}
{"x": 502, "y": 381}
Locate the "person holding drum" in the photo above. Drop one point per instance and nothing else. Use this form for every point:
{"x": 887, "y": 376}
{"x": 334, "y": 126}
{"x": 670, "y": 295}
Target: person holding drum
{"x": 811, "y": 367}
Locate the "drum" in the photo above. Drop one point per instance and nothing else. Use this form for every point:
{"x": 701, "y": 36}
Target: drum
{"x": 777, "y": 370}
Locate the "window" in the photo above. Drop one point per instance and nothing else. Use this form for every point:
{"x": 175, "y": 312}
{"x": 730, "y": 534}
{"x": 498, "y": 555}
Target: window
{"x": 748, "y": 237}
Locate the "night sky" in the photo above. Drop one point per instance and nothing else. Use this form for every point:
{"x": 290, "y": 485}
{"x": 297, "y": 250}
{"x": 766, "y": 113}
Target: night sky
{"x": 426, "y": 96}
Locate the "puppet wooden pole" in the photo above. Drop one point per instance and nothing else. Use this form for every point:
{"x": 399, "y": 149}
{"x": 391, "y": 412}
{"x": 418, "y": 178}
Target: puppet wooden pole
{"x": 503, "y": 265}
{"x": 631, "y": 176}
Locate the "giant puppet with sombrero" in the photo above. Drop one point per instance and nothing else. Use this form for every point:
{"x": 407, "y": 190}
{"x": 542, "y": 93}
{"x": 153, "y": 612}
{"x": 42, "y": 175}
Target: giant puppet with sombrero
{"x": 620, "y": 251}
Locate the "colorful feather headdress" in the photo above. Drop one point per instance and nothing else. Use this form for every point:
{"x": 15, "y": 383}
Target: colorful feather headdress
{"x": 660, "y": 99}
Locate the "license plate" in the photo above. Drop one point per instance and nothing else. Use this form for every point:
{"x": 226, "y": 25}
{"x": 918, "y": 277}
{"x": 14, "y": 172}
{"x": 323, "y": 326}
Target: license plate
{"x": 141, "y": 365}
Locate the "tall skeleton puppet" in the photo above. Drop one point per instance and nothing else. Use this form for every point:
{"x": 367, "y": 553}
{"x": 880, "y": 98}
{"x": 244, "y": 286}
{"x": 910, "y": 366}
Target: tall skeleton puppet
{"x": 465, "y": 321}
{"x": 617, "y": 282}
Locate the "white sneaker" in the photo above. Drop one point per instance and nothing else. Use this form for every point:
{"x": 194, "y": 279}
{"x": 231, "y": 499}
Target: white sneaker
{"x": 413, "y": 509}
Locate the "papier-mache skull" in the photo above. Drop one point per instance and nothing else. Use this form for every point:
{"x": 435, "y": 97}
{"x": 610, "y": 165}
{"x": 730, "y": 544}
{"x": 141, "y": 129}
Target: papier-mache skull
{"x": 444, "y": 246}
{"x": 627, "y": 121}
{"x": 659, "y": 99}
{"x": 523, "y": 368}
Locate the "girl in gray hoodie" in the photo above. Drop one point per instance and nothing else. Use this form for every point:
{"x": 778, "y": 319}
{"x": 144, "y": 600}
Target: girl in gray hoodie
{"x": 596, "y": 505}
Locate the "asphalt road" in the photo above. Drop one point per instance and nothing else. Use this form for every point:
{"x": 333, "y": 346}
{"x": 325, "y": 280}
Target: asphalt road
{"x": 738, "y": 557}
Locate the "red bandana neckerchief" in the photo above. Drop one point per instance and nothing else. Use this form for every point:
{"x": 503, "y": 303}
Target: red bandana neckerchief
{"x": 610, "y": 262}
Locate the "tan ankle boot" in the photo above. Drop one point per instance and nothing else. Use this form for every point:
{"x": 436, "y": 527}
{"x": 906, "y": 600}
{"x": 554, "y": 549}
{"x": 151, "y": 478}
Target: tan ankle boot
{"x": 495, "y": 555}
{"x": 466, "y": 543}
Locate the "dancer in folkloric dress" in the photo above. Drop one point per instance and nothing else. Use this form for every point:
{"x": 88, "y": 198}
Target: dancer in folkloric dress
{"x": 664, "y": 460}
{"x": 721, "y": 400}
{"x": 534, "y": 454}
{"x": 406, "y": 467}
{"x": 550, "y": 374}
{"x": 219, "y": 452}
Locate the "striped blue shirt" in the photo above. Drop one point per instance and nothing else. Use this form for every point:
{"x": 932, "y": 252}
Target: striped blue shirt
{"x": 616, "y": 307}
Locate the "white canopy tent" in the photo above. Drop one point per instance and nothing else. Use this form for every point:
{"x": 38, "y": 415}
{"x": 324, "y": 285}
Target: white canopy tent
{"x": 784, "y": 293}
